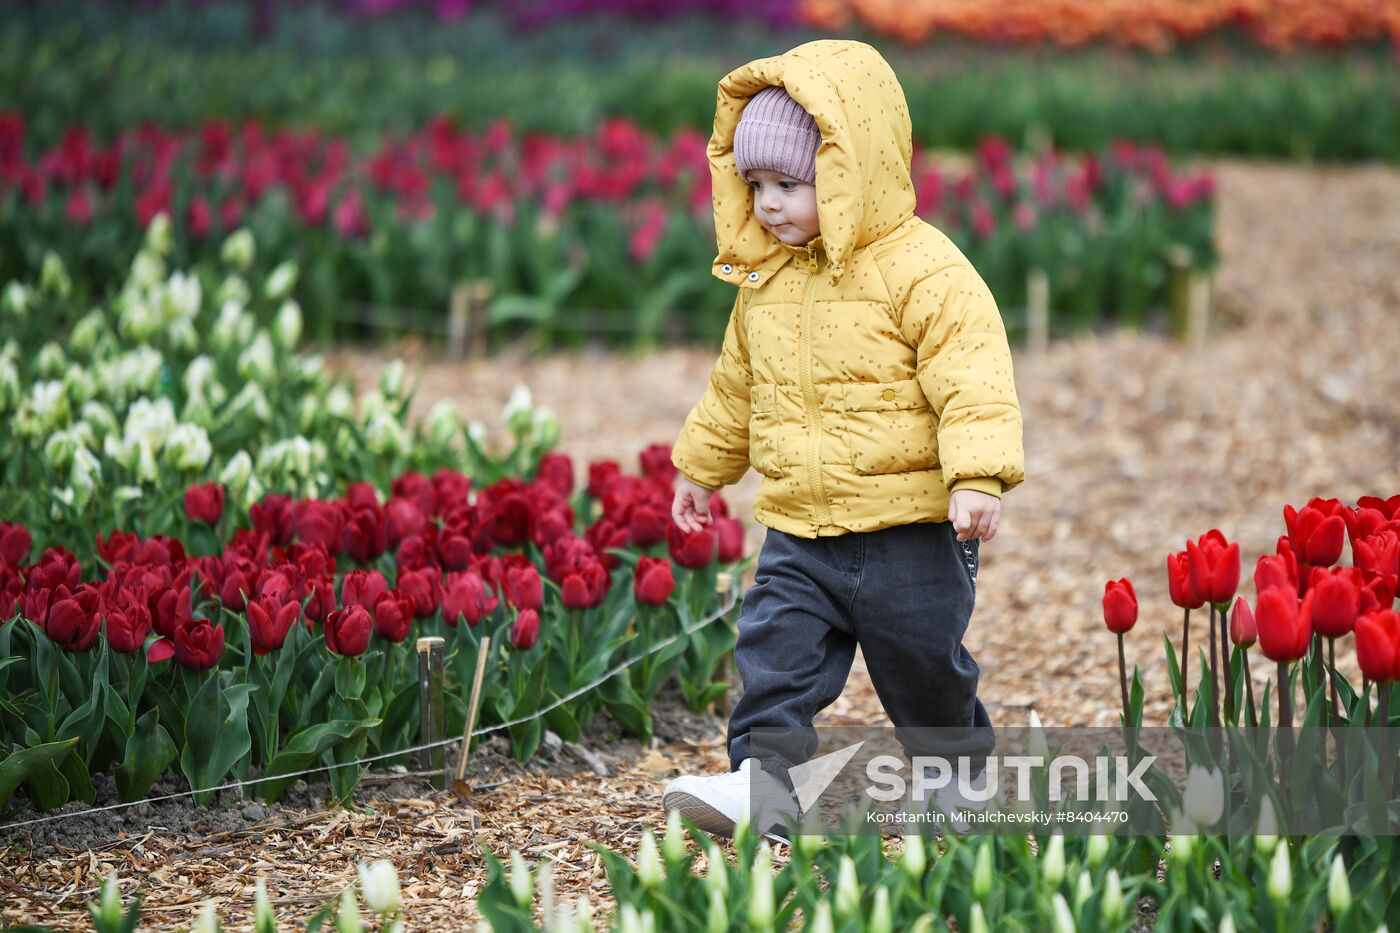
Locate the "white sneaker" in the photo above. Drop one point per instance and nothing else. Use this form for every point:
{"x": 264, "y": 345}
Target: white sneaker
{"x": 713, "y": 802}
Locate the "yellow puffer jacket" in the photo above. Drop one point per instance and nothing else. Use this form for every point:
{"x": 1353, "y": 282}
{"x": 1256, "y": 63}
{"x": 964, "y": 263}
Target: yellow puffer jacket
{"x": 867, "y": 374}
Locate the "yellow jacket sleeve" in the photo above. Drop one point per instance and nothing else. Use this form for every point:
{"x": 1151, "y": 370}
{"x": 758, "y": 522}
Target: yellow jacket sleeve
{"x": 713, "y": 447}
{"x": 964, "y": 369}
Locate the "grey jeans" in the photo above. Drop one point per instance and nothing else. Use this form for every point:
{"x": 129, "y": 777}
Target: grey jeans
{"x": 905, "y": 594}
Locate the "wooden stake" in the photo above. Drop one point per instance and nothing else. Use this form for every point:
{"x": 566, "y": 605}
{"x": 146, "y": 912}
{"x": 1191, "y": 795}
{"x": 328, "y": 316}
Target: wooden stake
{"x": 1198, "y": 308}
{"x": 458, "y": 321}
{"x": 1037, "y": 311}
{"x": 430, "y": 658}
{"x": 726, "y": 665}
{"x": 460, "y": 787}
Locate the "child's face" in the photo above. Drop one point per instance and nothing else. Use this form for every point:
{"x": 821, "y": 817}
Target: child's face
{"x": 785, "y": 206}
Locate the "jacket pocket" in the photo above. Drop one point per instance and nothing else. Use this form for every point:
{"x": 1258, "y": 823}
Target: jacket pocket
{"x": 765, "y": 430}
{"x": 889, "y": 427}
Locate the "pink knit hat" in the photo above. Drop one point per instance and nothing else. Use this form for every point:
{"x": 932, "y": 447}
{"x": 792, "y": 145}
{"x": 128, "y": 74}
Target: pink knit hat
{"x": 775, "y": 133}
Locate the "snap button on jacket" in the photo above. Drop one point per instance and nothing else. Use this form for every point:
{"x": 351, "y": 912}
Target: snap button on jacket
{"x": 865, "y": 375}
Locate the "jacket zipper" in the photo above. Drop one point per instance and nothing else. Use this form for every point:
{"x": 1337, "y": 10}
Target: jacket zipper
{"x": 809, "y": 394}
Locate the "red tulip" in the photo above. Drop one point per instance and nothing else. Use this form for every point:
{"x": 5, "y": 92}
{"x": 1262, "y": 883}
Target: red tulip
{"x": 523, "y": 587}
{"x": 1378, "y": 592}
{"x": 57, "y": 567}
{"x": 73, "y": 621}
{"x": 1214, "y": 565}
{"x": 1120, "y": 606}
{"x": 1180, "y": 583}
{"x": 269, "y": 620}
{"x": 1390, "y": 508}
{"x": 467, "y": 597}
{"x": 393, "y": 617}
{"x": 198, "y": 644}
{"x": 275, "y": 516}
{"x": 1378, "y": 645}
{"x": 1243, "y": 630}
{"x": 1338, "y": 600}
{"x": 1317, "y": 532}
{"x": 1276, "y": 570}
{"x": 15, "y": 543}
{"x": 691, "y": 548}
{"x": 525, "y": 631}
{"x": 424, "y": 587}
{"x": 347, "y": 631}
{"x": 128, "y": 624}
{"x": 205, "y": 503}
{"x": 318, "y": 521}
{"x": 585, "y": 586}
{"x": 731, "y": 537}
{"x": 653, "y": 582}
{"x": 362, "y": 588}
{"x": 1378, "y": 553}
{"x": 1285, "y": 626}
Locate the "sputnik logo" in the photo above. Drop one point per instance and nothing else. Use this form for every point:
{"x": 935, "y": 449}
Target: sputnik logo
{"x": 811, "y": 778}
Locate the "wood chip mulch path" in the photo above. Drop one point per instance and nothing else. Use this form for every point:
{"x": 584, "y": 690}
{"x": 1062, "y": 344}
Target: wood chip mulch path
{"x": 1133, "y": 444}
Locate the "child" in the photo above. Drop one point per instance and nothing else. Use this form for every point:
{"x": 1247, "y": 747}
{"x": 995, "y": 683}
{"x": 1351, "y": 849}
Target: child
{"x": 866, "y": 375}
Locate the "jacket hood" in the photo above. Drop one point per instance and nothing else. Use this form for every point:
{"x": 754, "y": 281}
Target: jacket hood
{"x": 864, "y": 188}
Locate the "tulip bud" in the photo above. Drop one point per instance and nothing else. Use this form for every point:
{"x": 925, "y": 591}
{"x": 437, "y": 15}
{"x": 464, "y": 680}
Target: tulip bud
{"x": 182, "y": 298}
{"x": 232, "y": 328}
{"x": 1266, "y": 829}
{"x": 521, "y": 884}
{"x": 147, "y": 272}
{"x": 207, "y": 921}
{"x": 717, "y": 920}
{"x": 1083, "y": 890}
{"x": 716, "y": 871}
{"x": 673, "y": 845}
{"x": 881, "y": 917}
{"x": 821, "y": 919}
{"x": 339, "y": 402}
{"x": 1183, "y": 844}
{"x": 347, "y": 916}
{"x": 1036, "y": 746}
{"x": 86, "y": 333}
{"x": 847, "y": 901}
{"x": 53, "y": 277}
{"x": 1338, "y": 887}
{"x": 1204, "y": 796}
{"x": 982, "y": 873}
{"x": 239, "y": 249}
{"x": 233, "y": 289}
{"x": 251, "y": 404}
{"x": 545, "y": 429}
{"x": 391, "y": 380}
{"x": 1280, "y": 884}
{"x": 17, "y": 300}
{"x": 385, "y": 436}
{"x": 50, "y": 361}
{"x": 741, "y": 829}
{"x": 1098, "y": 849}
{"x": 264, "y": 920}
{"x": 380, "y": 883}
{"x": 1112, "y": 904}
{"x": 257, "y": 362}
{"x": 516, "y": 413}
{"x": 808, "y": 844}
{"x": 85, "y": 474}
{"x": 546, "y": 887}
{"x": 761, "y": 905}
{"x": 649, "y": 871}
{"x": 188, "y": 448}
{"x": 1064, "y": 920}
{"x": 236, "y": 473}
{"x": 108, "y": 912}
{"x": 281, "y": 280}
{"x": 914, "y": 860}
{"x": 977, "y": 921}
{"x": 287, "y": 327}
{"x": 1227, "y": 924}
{"x": 158, "y": 234}
{"x": 631, "y": 920}
{"x": 1052, "y": 860}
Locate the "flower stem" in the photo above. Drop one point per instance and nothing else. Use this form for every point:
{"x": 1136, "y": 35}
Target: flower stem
{"x": 1185, "y": 660}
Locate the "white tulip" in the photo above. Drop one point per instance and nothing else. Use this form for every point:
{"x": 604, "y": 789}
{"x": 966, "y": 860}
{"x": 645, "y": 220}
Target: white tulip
{"x": 1266, "y": 829}
{"x": 718, "y": 919}
{"x": 251, "y": 403}
{"x": 264, "y": 920}
{"x": 673, "y": 844}
{"x": 1098, "y": 849}
{"x": 391, "y": 380}
{"x": 257, "y": 361}
{"x": 51, "y": 360}
{"x": 17, "y": 300}
{"x": 1204, "y": 797}
{"x": 847, "y": 898}
{"x": 1280, "y": 884}
{"x": 1338, "y": 887}
{"x": 188, "y": 448}
{"x": 385, "y": 436}
{"x": 53, "y": 277}
{"x": 761, "y": 903}
{"x": 158, "y": 233}
{"x": 182, "y": 298}
{"x": 347, "y": 917}
{"x": 648, "y": 862}
{"x": 239, "y": 249}
{"x": 977, "y": 921}
{"x": 1112, "y": 904}
{"x": 444, "y": 425}
{"x": 881, "y": 916}
{"x": 380, "y": 883}
{"x": 85, "y": 334}
{"x": 1083, "y": 890}
{"x": 287, "y": 327}
{"x": 86, "y": 472}
{"x": 1036, "y": 746}
{"x": 521, "y": 884}
{"x": 147, "y": 272}
{"x": 233, "y": 289}
{"x": 1052, "y": 867}
{"x": 1064, "y": 920}
{"x": 339, "y": 402}
{"x": 237, "y": 471}
{"x": 281, "y": 280}
{"x": 716, "y": 871}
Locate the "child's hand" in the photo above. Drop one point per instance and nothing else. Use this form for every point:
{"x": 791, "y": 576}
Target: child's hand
{"x": 691, "y": 507}
{"x": 974, "y": 514}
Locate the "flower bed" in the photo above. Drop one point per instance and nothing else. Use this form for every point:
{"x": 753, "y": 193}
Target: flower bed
{"x": 222, "y": 595}
{"x": 616, "y": 224}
